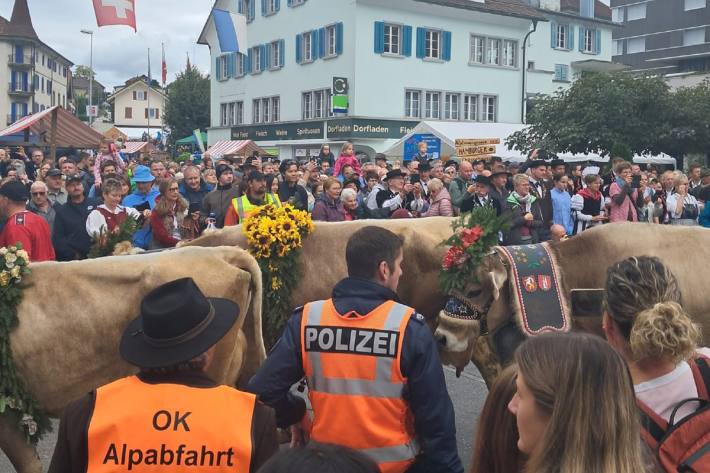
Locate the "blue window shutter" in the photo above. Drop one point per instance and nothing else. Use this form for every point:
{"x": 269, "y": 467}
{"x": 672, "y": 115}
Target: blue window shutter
{"x": 446, "y": 56}
{"x": 553, "y": 30}
{"x": 218, "y": 69}
{"x": 581, "y": 38}
{"x": 339, "y": 38}
{"x": 13, "y": 112}
{"x": 379, "y": 37}
{"x": 570, "y": 35}
{"x": 265, "y": 48}
{"x": 269, "y": 50}
{"x": 299, "y": 48}
{"x": 421, "y": 43}
{"x": 24, "y": 109}
{"x": 597, "y": 41}
{"x": 252, "y": 10}
{"x": 289, "y": 3}
{"x": 263, "y": 7}
{"x": 19, "y": 53}
{"x": 25, "y": 85}
{"x": 406, "y": 41}
{"x": 314, "y": 44}
{"x": 282, "y": 52}
{"x": 248, "y": 66}
{"x": 321, "y": 43}
{"x": 240, "y": 6}
{"x": 278, "y": 5}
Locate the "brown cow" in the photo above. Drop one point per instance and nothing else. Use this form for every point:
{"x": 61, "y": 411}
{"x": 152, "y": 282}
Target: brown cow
{"x": 583, "y": 263}
{"x": 73, "y": 314}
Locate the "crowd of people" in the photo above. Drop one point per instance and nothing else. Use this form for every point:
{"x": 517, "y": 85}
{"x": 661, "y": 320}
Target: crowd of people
{"x": 85, "y": 197}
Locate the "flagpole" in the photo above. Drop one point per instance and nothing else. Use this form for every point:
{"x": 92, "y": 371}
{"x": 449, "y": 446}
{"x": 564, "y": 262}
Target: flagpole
{"x": 163, "y": 76}
{"x": 148, "y": 96}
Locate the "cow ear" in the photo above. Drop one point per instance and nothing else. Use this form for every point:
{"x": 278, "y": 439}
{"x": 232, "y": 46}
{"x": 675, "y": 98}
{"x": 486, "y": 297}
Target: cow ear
{"x": 497, "y": 279}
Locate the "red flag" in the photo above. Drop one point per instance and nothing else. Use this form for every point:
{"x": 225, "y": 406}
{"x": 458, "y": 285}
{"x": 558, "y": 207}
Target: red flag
{"x": 115, "y": 12}
{"x": 165, "y": 68}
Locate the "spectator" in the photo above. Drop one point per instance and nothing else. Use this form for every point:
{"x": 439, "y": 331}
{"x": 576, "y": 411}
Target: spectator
{"x": 462, "y": 187}
{"x": 254, "y": 197}
{"x": 42, "y": 172}
{"x": 328, "y": 207}
{"x": 145, "y": 192}
{"x": 170, "y": 221}
{"x": 540, "y": 187}
{"x": 558, "y": 167}
{"x": 106, "y": 153}
{"x": 482, "y": 197}
{"x": 562, "y": 378}
{"x": 562, "y": 202}
{"x": 37, "y": 157}
{"x": 55, "y": 187}
{"x": 289, "y": 190}
{"x": 347, "y": 157}
{"x": 371, "y": 180}
{"x": 704, "y": 218}
{"x": 496, "y": 449}
{"x": 499, "y": 185}
{"x": 558, "y": 233}
{"x": 694, "y": 176}
{"x": 22, "y": 226}
{"x": 40, "y": 205}
{"x": 448, "y": 176}
{"x": 108, "y": 217}
{"x": 108, "y": 168}
{"x": 219, "y": 201}
{"x": 576, "y": 180}
{"x": 683, "y": 208}
{"x": 326, "y": 156}
{"x": 353, "y": 210}
{"x": 704, "y": 182}
{"x": 193, "y": 188}
{"x": 394, "y": 196}
{"x": 440, "y": 200}
{"x": 71, "y": 242}
{"x": 588, "y": 205}
{"x": 210, "y": 177}
{"x": 623, "y": 195}
{"x": 319, "y": 458}
{"x": 69, "y": 167}
{"x": 525, "y": 213}
{"x": 416, "y": 201}
{"x": 158, "y": 170}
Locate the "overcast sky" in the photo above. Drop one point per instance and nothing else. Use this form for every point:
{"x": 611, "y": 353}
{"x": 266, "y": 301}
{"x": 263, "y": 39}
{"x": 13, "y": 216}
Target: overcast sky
{"x": 119, "y": 53}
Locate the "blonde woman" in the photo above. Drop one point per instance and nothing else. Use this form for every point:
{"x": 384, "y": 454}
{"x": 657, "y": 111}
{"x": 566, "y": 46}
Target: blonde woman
{"x": 169, "y": 221}
{"x": 574, "y": 407}
{"x": 645, "y": 322}
{"x": 682, "y": 207}
{"x": 440, "y": 200}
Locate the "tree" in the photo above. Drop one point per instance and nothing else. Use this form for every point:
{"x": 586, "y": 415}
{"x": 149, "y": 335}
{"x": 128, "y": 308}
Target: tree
{"x": 187, "y": 106}
{"x": 600, "y": 113}
{"x": 83, "y": 71}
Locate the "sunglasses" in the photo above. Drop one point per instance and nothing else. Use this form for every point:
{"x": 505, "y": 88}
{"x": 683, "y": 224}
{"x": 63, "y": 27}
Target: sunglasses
{"x": 38, "y": 193}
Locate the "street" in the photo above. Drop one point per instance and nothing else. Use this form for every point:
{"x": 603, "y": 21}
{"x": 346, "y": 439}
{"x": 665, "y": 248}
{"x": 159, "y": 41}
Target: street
{"x": 467, "y": 392}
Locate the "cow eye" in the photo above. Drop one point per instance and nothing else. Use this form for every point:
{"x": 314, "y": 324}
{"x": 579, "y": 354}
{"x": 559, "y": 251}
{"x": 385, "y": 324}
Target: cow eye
{"x": 474, "y": 293}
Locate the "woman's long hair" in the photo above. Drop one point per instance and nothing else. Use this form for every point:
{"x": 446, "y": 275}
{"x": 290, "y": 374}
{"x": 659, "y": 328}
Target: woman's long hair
{"x": 583, "y": 385}
{"x": 163, "y": 207}
{"x": 496, "y": 447}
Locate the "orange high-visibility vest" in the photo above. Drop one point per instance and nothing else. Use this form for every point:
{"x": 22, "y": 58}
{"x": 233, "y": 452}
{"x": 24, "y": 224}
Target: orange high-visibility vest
{"x": 356, "y": 384}
{"x": 141, "y": 427}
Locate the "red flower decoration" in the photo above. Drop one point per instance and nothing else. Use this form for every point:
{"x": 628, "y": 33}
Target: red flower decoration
{"x": 471, "y": 235}
{"x": 456, "y": 256}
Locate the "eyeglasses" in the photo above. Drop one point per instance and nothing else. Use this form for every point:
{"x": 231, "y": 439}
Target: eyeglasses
{"x": 38, "y": 193}
{"x": 174, "y": 189}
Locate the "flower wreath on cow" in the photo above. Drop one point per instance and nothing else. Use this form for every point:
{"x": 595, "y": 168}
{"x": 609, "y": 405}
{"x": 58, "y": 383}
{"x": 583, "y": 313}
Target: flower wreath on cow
{"x": 275, "y": 237}
{"x": 14, "y": 399}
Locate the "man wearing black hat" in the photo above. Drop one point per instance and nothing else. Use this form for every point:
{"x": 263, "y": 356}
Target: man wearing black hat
{"x": 394, "y": 196}
{"x": 171, "y": 416}
{"x": 254, "y": 198}
{"x": 69, "y": 236}
{"x": 220, "y": 199}
{"x": 540, "y": 187}
{"x": 482, "y": 197}
{"x": 24, "y": 227}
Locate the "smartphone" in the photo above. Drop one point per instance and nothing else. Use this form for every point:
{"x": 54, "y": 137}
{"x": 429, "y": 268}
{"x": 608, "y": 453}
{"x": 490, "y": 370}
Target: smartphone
{"x": 194, "y": 207}
{"x": 636, "y": 182}
{"x": 587, "y": 302}
{"x": 142, "y": 207}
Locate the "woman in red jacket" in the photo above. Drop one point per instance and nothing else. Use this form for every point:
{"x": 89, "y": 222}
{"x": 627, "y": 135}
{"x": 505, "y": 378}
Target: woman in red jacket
{"x": 169, "y": 221}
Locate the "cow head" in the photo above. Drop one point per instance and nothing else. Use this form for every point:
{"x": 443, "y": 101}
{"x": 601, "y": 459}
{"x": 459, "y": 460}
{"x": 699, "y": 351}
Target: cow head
{"x": 481, "y": 306}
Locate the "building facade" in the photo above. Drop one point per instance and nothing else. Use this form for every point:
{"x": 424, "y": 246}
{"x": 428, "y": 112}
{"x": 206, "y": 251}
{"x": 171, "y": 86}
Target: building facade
{"x": 405, "y": 61}
{"x": 666, "y": 37}
{"x": 37, "y": 76}
{"x": 135, "y": 107}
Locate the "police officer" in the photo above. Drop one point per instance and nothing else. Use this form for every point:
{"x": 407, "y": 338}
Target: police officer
{"x": 372, "y": 368}
{"x": 170, "y": 417}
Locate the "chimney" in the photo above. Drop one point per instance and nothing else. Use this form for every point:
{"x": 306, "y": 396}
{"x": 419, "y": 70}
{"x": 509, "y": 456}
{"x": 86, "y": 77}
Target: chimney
{"x": 21, "y": 21}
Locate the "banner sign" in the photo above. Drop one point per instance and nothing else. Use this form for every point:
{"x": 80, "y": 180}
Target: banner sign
{"x": 476, "y": 147}
{"x": 198, "y": 138}
{"x": 411, "y": 146}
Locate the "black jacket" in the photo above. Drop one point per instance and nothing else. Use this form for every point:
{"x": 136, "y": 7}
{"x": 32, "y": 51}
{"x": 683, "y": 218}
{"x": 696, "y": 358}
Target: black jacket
{"x": 294, "y": 195}
{"x": 471, "y": 202}
{"x": 69, "y": 235}
{"x": 425, "y": 392}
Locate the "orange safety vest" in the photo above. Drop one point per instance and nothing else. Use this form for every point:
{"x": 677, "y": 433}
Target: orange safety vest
{"x": 244, "y": 208}
{"x": 356, "y": 384}
{"x": 141, "y": 427}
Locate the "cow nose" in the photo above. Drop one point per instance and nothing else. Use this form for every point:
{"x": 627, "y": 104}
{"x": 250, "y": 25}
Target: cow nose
{"x": 441, "y": 340}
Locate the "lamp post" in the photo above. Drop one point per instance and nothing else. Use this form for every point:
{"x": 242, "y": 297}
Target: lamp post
{"x": 91, "y": 75}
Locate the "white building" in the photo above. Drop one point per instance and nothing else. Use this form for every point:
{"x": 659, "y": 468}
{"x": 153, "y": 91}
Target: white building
{"x": 135, "y": 107}
{"x": 405, "y": 61}
{"x": 36, "y": 75}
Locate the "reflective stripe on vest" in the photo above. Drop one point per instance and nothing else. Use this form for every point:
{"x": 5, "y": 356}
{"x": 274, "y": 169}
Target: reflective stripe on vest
{"x": 141, "y": 427}
{"x": 355, "y": 382}
{"x": 245, "y": 209}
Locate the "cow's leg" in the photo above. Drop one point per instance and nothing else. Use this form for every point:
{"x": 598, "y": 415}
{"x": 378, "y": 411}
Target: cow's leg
{"x": 485, "y": 360}
{"x": 22, "y": 455}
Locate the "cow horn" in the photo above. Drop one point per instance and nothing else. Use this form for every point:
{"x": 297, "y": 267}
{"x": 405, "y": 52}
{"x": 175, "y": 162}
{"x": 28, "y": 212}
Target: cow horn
{"x": 458, "y": 372}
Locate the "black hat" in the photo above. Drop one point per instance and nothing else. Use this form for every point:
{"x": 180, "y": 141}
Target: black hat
{"x": 536, "y": 163}
{"x": 414, "y": 178}
{"x": 424, "y": 166}
{"x": 250, "y": 159}
{"x": 221, "y": 169}
{"x": 393, "y": 174}
{"x": 256, "y": 176}
{"x": 485, "y": 180}
{"x": 557, "y": 162}
{"x": 498, "y": 171}
{"x": 54, "y": 172}
{"x": 74, "y": 178}
{"x": 15, "y": 191}
{"x": 380, "y": 157}
{"x": 176, "y": 324}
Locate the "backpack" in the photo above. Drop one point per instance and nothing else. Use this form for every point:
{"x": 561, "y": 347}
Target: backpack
{"x": 682, "y": 446}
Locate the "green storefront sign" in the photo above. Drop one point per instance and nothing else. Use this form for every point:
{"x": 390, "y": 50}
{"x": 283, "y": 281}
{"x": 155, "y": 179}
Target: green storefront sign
{"x": 339, "y": 129}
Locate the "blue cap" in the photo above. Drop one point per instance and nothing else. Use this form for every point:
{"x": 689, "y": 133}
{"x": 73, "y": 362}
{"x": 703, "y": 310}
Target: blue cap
{"x": 142, "y": 174}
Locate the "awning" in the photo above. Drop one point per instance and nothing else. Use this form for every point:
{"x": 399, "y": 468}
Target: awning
{"x": 130, "y": 147}
{"x": 190, "y": 140}
{"x": 227, "y": 148}
{"x": 70, "y": 131}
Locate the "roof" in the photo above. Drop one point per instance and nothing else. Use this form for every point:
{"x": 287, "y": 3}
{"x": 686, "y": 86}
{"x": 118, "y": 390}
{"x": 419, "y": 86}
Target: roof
{"x": 83, "y": 83}
{"x": 571, "y": 8}
{"x": 130, "y": 147}
{"x": 130, "y": 84}
{"x": 514, "y": 8}
{"x": 226, "y": 148}
{"x": 70, "y": 130}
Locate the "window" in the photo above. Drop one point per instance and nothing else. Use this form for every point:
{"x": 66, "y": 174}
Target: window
{"x": 493, "y": 56}
{"x": 241, "y": 65}
{"x": 589, "y": 45}
{"x": 275, "y": 58}
{"x": 470, "y": 107}
{"x": 412, "y": 104}
{"x": 232, "y": 108}
{"x": 636, "y": 12}
{"x": 478, "y": 49}
{"x": 307, "y": 105}
{"x": 152, "y": 113}
{"x": 586, "y": 8}
{"x": 307, "y": 46}
{"x": 432, "y": 103}
{"x": 239, "y": 113}
{"x": 295, "y": 3}
{"x": 562, "y": 38}
{"x": 432, "y": 41}
{"x": 222, "y": 72}
{"x": 224, "y": 114}
{"x": 451, "y": 106}
{"x": 140, "y": 95}
{"x": 393, "y": 39}
{"x": 265, "y": 110}
{"x": 490, "y": 108}
{"x": 275, "y": 109}
{"x": 694, "y": 4}
{"x": 618, "y": 47}
{"x": 510, "y": 53}
{"x": 317, "y": 104}
{"x": 262, "y": 110}
{"x": 693, "y": 36}
{"x": 271, "y": 6}
{"x": 331, "y": 40}
{"x": 256, "y": 111}
{"x": 561, "y": 73}
{"x": 256, "y": 61}
{"x": 617, "y": 15}
{"x": 635, "y": 45}
{"x": 128, "y": 112}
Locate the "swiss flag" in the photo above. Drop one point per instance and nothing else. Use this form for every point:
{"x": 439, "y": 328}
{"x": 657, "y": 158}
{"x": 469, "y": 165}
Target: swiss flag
{"x": 115, "y": 12}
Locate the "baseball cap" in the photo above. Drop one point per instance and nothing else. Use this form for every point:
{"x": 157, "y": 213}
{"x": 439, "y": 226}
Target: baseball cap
{"x": 15, "y": 191}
